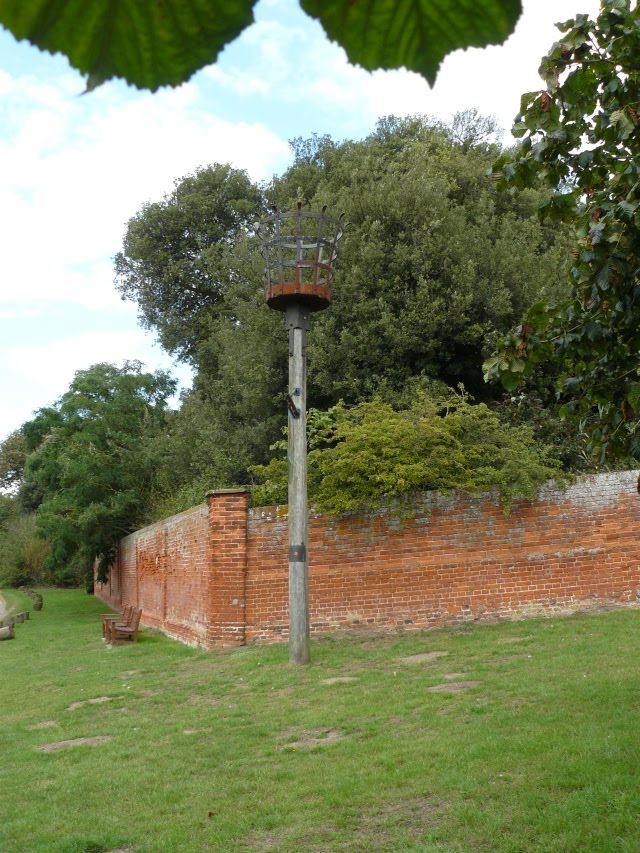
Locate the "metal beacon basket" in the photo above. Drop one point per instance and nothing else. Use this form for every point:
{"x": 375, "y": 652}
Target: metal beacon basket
{"x": 299, "y": 249}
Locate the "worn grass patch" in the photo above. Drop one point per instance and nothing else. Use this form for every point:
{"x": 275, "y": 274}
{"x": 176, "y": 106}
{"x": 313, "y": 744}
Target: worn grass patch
{"x": 312, "y": 738}
{"x": 56, "y": 745}
{"x": 239, "y": 751}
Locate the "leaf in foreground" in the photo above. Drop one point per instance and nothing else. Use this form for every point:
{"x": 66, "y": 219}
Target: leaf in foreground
{"x": 151, "y": 44}
{"x": 415, "y": 35}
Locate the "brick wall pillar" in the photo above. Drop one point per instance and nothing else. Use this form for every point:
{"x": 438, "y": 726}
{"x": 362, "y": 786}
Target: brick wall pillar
{"x": 227, "y": 547}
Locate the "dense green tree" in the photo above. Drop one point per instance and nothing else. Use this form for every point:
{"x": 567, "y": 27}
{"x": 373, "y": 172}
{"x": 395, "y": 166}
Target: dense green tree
{"x": 371, "y": 453}
{"x": 8, "y": 508}
{"x": 581, "y": 135}
{"x": 152, "y": 45}
{"x": 434, "y": 259}
{"x": 234, "y": 412}
{"x": 93, "y": 457}
{"x": 13, "y": 456}
{"x": 178, "y": 254}
{"x": 236, "y": 407}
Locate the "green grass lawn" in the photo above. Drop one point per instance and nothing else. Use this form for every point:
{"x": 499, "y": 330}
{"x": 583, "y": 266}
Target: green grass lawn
{"x": 240, "y": 751}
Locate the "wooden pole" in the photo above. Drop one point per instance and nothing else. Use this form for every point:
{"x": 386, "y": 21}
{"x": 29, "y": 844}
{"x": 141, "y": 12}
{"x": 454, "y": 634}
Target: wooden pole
{"x": 298, "y": 320}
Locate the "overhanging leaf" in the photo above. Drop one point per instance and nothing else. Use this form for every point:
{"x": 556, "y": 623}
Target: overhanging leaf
{"x": 149, "y": 43}
{"x": 152, "y": 43}
{"x": 416, "y": 34}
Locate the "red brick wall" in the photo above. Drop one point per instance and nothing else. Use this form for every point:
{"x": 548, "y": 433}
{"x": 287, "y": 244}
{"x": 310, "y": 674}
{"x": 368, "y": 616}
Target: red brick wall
{"x": 164, "y": 569}
{"x": 457, "y": 559}
{"x": 228, "y": 567}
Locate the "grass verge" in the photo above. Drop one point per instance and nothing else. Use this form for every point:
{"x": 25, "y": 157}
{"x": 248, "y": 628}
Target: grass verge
{"x": 529, "y": 741}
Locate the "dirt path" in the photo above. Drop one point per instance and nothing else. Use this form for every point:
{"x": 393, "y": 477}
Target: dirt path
{"x": 3, "y": 608}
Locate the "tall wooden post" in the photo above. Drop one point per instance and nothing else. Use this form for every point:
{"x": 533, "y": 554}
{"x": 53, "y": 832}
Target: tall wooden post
{"x": 299, "y": 269}
{"x": 298, "y": 320}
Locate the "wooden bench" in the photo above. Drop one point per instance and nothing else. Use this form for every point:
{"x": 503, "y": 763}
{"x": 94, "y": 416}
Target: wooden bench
{"x": 125, "y": 631}
{"x": 124, "y": 618}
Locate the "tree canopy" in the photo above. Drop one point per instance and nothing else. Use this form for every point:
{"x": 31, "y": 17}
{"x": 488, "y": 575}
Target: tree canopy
{"x": 92, "y": 462}
{"x": 434, "y": 262}
{"x": 434, "y": 259}
{"x": 23, "y": 554}
{"x": 152, "y": 44}
{"x": 581, "y": 136}
{"x": 13, "y": 456}
{"x": 177, "y": 257}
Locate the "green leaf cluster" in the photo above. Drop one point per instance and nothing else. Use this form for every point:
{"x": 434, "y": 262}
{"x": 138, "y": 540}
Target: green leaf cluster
{"x": 372, "y": 453}
{"x": 152, "y": 44}
{"x": 13, "y": 456}
{"x": 92, "y": 464}
{"x": 581, "y": 136}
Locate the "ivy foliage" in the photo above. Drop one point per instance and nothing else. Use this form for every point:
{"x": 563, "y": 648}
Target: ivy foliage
{"x": 363, "y": 456}
{"x": 581, "y": 135}
{"x": 152, "y": 43}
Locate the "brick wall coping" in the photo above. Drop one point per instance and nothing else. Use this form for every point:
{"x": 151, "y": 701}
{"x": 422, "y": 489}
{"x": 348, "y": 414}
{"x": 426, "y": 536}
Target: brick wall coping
{"x": 599, "y": 489}
{"x": 238, "y": 490}
{"x": 162, "y": 523}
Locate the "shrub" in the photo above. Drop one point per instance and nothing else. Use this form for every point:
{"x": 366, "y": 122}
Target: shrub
{"x": 23, "y": 554}
{"x": 372, "y": 453}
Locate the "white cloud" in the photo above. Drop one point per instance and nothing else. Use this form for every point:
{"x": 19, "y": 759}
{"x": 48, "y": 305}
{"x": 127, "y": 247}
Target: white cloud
{"x": 19, "y": 313}
{"x": 77, "y": 352}
{"x": 74, "y": 170}
{"x": 297, "y": 65}
{"x": 237, "y": 81}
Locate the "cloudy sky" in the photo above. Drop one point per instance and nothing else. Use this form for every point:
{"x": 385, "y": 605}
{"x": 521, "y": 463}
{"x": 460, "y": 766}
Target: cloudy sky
{"x": 74, "y": 168}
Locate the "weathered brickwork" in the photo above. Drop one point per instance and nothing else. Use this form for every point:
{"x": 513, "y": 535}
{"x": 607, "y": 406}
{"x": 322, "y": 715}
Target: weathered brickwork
{"x": 165, "y": 570}
{"x": 228, "y": 568}
{"x": 217, "y": 575}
